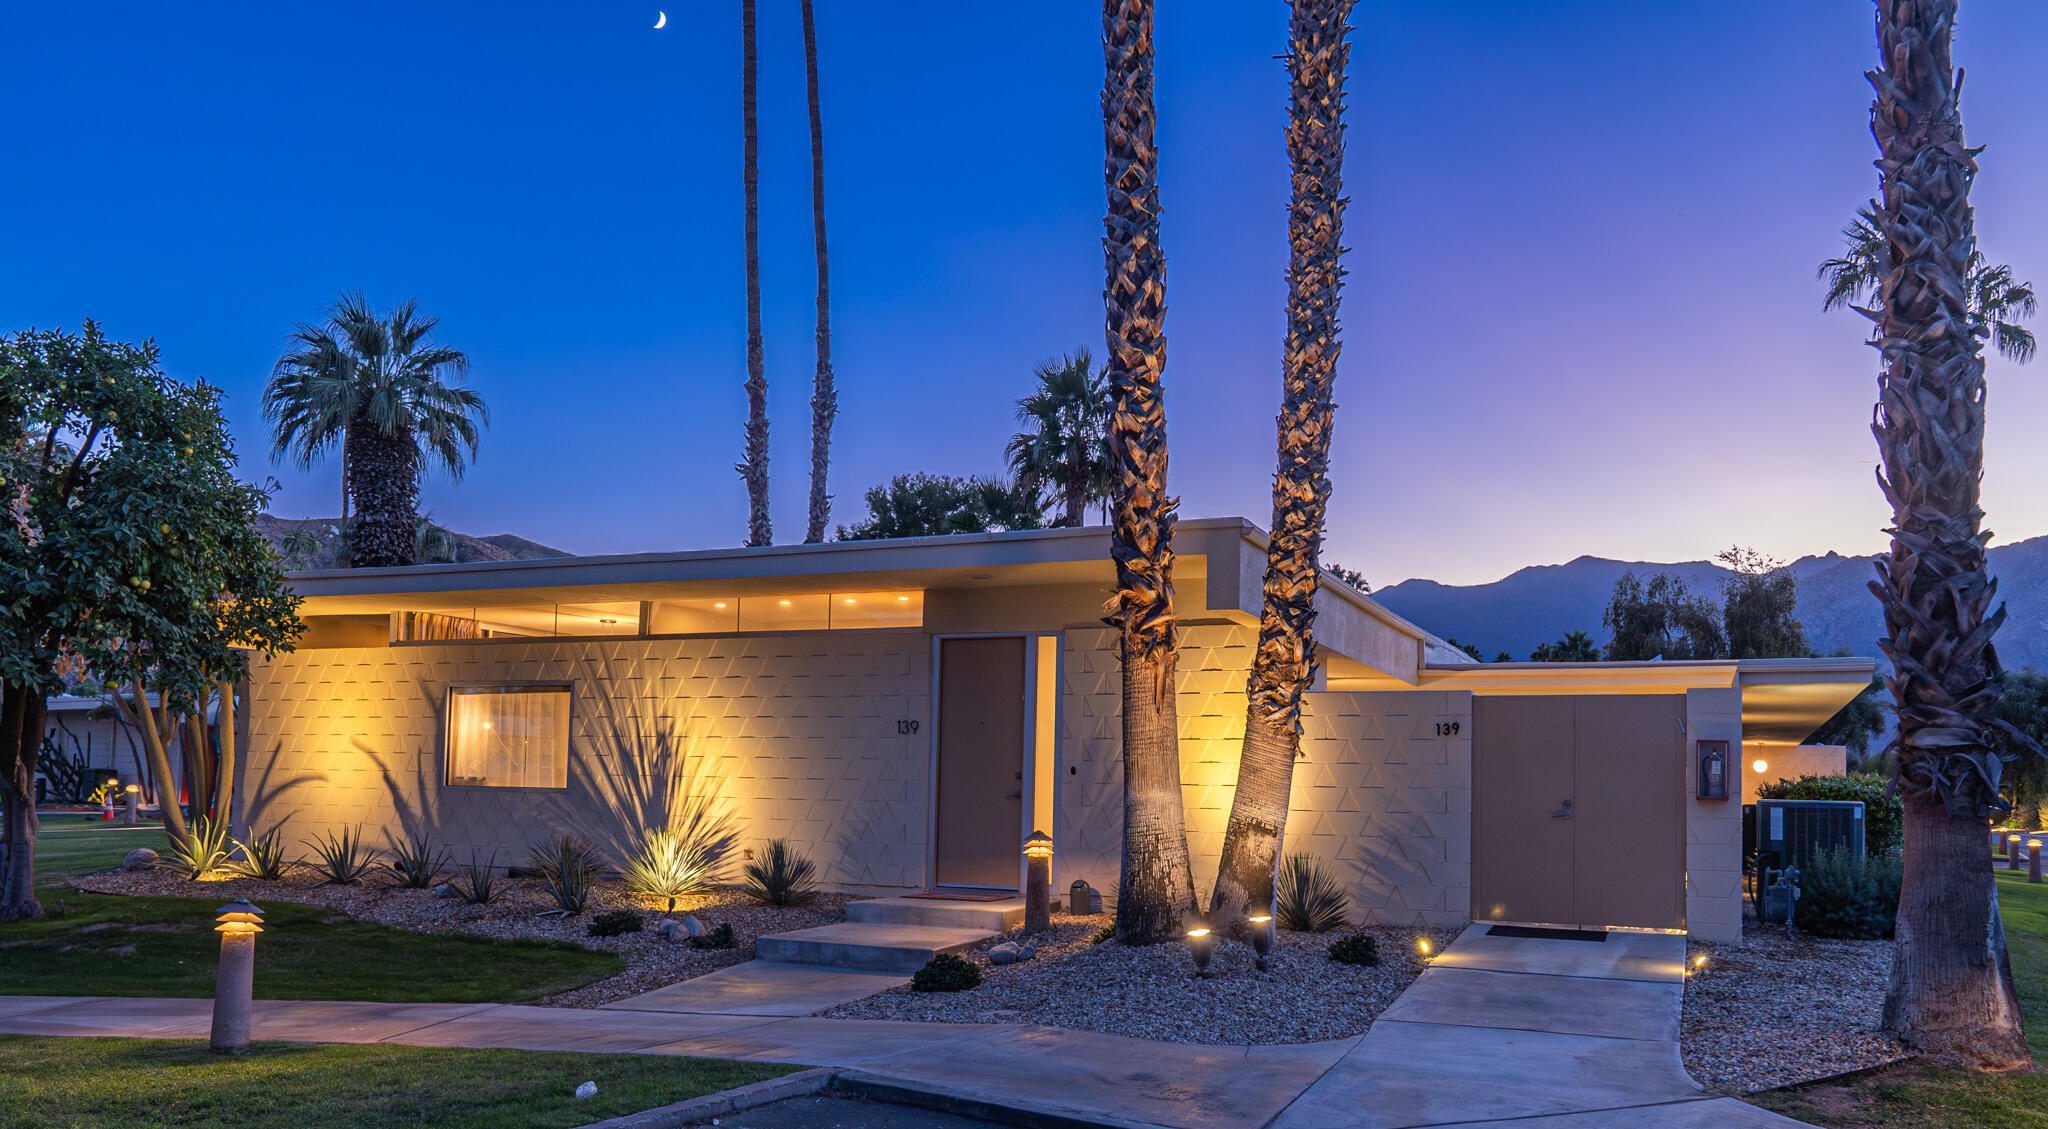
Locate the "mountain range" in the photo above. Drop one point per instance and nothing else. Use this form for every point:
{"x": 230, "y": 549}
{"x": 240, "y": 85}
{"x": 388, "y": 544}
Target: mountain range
{"x": 1542, "y": 603}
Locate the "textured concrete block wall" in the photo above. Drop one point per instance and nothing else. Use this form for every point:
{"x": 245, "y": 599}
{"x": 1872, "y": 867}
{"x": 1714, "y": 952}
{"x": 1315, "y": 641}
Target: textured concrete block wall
{"x": 795, "y": 735}
{"x": 1379, "y": 794}
{"x": 1713, "y": 828}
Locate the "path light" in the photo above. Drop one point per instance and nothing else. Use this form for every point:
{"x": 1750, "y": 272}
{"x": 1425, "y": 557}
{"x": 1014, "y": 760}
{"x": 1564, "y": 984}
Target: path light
{"x": 1699, "y": 964}
{"x": 1262, "y": 936}
{"x": 1997, "y": 839}
{"x": 1202, "y": 946}
{"x": 235, "y": 982}
{"x": 2012, "y": 851}
{"x": 1038, "y": 883}
{"x": 2034, "y": 860}
{"x": 134, "y": 801}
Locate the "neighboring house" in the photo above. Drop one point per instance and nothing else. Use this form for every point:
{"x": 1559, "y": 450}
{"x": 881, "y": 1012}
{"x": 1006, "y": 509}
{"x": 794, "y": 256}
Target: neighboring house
{"x": 88, "y": 730}
{"x": 907, "y": 711}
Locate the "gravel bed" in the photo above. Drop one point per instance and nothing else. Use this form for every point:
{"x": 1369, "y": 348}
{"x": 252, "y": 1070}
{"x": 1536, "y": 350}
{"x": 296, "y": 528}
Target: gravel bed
{"x": 1783, "y": 1010}
{"x": 520, "y": 912}
{"x": 1152, "y": 993}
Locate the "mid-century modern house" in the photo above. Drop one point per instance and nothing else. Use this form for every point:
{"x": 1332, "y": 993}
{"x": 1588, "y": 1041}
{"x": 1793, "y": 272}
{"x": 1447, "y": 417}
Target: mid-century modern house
{"x": 907, "y": 711}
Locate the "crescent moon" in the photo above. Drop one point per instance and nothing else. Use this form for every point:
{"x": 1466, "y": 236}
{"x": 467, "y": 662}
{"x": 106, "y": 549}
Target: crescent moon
{"x": 661, "y": 22}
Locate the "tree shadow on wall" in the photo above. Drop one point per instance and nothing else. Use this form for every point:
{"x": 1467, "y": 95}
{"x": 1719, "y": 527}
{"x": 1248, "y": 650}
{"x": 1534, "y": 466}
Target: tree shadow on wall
{"x": 265, "y": 803}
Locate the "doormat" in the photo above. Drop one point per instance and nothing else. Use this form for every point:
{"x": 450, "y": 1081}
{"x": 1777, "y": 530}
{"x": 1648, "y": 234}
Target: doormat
{"x": 1547, "y": 934}
{"x": 940, "y": 896}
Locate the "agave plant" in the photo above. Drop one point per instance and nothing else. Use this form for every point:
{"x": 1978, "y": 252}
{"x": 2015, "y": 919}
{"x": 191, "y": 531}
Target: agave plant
{"x": 1309, "y": 899}
{"x": 263, "y": 856}
{"x": 415, "y": 863}
{"x": 340, "y": 859}
{"x": 475, "y": 883}
{"x": 782, "y": 877}
{"x": 670, "y": 864}
{"x": 200, "y": 849}
{"x": 568, "y": 869}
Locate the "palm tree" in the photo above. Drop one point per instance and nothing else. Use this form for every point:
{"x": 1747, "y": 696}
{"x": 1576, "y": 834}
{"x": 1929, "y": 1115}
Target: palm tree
{"x": 1951, "y": 994}
{"x": 1156, "y": 892}
{"x": 1996, "y": 302}
{"x": 754, "y": 468}
{"x": 1065, "y": 451}
{"x": 1284, "y": 664}
{"x": 378, "y": 385}
{"x": 824, "y": 397}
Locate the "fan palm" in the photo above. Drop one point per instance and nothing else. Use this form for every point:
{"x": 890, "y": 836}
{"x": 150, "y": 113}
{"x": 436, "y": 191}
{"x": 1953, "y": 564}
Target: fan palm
{"x": 1951, "y": 994}
{"x": 1065, "y": 452}
{"x": 379, "y": 385}
{"x": 824, "y": 397}
{"x": 1156, "y": 890}
{"x": 1284, "y": 663}
{"x": 1995, "y": 302}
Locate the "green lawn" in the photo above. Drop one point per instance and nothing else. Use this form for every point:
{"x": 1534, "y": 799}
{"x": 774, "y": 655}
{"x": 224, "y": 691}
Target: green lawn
{"x": 48, "y": 1083}
{"x": 106, "y": 945}
{"x": 1913, "y": 1097}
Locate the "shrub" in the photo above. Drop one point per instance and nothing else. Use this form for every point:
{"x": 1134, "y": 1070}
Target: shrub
{"x": 614, "y": 922}
{"x": 263, "y": 857}
{"x": 1103, "y": 934}
{"x": 340, "y": 859}
{"x": 672, "y": 863}
{"x": 415, "y": 863}
{"x": 201, "y": 849}
{"x": 1841, "y": 895}
{"x": 720, "y": 937}
{"x": 568, "y": 869}
{"x": 1883, "y": 814}
{"x": 1310, "y": 900}
{"x": 476, "y": 883}
{"x": 1358, "y": 948}
{"x": 783, "y": 877}
{"x": 946, "y": 973}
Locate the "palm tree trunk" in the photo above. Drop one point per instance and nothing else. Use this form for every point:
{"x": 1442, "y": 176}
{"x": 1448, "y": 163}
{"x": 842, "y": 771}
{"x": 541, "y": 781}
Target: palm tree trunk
{"x": 344, "y": 480}
{"x": 386, "y": 479}
{"x": 21, "y": 731}
{"x": 1156, "y": 892}
{"x": 1951, "y": 995}
{"x": 1285, "y": 662}
{"x": 824, "y": 397}
{"x": 754, "y": 469}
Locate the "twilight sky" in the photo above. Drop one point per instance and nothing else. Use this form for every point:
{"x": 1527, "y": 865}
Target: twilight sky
{"x": 1581, "y": 315}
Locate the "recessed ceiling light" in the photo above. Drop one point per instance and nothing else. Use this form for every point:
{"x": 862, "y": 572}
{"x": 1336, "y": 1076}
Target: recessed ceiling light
{"x": 849, "y": 599}
{"x": 785, "y": 603}
{"x": 720, "y": 603}
{"x": 902, "y": 599}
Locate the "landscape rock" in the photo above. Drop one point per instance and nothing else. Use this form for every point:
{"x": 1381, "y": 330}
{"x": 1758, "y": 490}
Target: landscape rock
{"x": 1005, "y": 953}
{"x": 670, "y": 930}
{"x": 587, "y": 1090}
{"x": 694, "y": 927}
{"x": 141, "y": 858}
{"x": 444, "y": 890}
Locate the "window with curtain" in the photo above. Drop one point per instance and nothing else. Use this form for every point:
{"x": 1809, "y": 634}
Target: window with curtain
{"x": 508, "y": 736}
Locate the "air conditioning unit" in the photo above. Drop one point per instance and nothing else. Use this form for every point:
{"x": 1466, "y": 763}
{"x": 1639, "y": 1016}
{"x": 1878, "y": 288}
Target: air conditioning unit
{"x": 1792, "y": 832}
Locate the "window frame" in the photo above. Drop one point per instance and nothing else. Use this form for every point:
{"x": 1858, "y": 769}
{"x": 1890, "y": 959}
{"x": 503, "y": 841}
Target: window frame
{"x": 568, "y": 687}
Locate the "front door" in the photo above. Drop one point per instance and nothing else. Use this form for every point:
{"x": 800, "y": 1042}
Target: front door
{"x": 980, "y": 819}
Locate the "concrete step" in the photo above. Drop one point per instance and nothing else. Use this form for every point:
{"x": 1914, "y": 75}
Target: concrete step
{"x": 990, "y": 917}
{"x": 869, "y": 945}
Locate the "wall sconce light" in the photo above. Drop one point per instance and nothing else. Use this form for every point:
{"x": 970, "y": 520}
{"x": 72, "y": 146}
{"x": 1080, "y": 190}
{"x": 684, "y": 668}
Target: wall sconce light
{"x": 1262, "y": 936}
{"x": 2034, "y": 859}
{"x": 1038, "y": 851}
{"x": 235, "y": 981}
{"x": 1201, "y": 946}
{"x": 1759, "y": 765}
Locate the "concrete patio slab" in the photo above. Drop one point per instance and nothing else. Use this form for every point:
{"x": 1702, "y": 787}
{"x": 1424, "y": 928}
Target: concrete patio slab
{"x": 819, "y": 1042}
{"x": 325, "y": 1021}
{"x": 762, "y": 987}
{"x": 1565, "y": 1005}
{"x": 874, "y": 946}
{"x": 569, "y": 1029}
{"x": 139, "y": 1018}
{"x": 1410, "y": 1074}
{"x": 1703, "y": 1113}
{"x": 1656, "y": 957}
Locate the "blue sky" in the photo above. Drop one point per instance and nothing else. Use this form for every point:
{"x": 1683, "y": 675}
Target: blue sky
{"x": 1580, "y": 318}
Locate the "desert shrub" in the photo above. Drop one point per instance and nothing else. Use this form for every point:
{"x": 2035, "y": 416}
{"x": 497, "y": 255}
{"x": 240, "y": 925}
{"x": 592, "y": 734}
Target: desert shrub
{"x": 1884, "y": 815}
{"x": 414, "y": 864}
{"x": 340, "y": 859}
{"x": 720, "y": 937}
{"x": 476, "y": 882}
{"x": 1358, "y": 948}
{"x": 201, "y": 849}
{"x": 612, "y": 923}
{"x": 782, "y": 877}
{"x": 1310, "y": 900}
{"x": 1103, "y": 934}
{"x": 568, "y": 869}
{"x": 1841, "y": 895}
{"x": 263, "y": 856}
{"x": 946, "y": 973}
{"x": 672, "y": 863}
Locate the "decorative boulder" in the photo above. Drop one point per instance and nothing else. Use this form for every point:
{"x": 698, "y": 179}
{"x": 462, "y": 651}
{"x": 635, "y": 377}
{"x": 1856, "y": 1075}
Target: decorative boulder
{"x": 141, "y": 858}
{"x": 1026, "y": 951}
{"x": 1005, "y": 953}
{"x": 587, "y": 1090}
{"x": 444, "y": 890}
{"x": 670, "y": 930}
{"x": 694, "y": 927}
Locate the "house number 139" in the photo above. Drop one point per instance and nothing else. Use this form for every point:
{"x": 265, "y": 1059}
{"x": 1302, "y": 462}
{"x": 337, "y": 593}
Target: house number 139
{"x": 1447, "y": 729}
{"x": 906, "y": 726}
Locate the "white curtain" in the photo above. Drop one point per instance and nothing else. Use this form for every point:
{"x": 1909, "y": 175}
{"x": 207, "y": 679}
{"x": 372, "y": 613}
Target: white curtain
{"x": 509, "y": 736}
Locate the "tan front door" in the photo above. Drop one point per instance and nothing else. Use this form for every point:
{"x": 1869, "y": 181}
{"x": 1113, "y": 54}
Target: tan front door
{"x": 1578, "y": 810}
{"x": 980, "y": 762}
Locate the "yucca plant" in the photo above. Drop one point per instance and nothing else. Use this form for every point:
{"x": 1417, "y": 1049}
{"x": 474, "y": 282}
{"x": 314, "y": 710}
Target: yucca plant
{"x": 782, "y": 877}
{"x": 199, "y": 850}
{"x": 475, "y": 883}
{"x": 340, "y": 859}
{"x": 415, "y": 863}
{"x": 263, "y": 856}
{"x": 670, "y": 864}
{"x": 1309, "y": 900}
{"x": 568, "y": 869}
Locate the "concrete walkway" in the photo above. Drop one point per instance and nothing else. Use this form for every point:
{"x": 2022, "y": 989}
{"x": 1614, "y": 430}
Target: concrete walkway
{"x": 1535, "y": 1034}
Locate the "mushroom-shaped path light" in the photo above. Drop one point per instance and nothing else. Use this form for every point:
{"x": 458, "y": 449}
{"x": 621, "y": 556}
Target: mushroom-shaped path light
{"x": 235, "y": 981}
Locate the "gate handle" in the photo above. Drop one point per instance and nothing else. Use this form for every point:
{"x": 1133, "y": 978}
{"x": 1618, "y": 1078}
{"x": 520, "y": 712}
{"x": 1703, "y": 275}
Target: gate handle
{"x": 1566, "y": 813}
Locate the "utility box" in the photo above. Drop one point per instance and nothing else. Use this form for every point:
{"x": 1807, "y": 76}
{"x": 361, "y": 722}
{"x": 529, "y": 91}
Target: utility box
{"x": 1792, "y": 832}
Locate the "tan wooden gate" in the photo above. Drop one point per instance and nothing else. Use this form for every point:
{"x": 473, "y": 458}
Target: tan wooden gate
{"x": 1578, "y": 813}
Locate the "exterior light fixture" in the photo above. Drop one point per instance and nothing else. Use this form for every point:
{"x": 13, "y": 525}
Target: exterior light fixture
{"x": 1201, "y": 946}
{"x": 1997, "y": 838}
{"x": 1262, "y": 936}
{"x": 719, "y": 604}
{"x": 784, "y": 603}
{"x": 2034, "y": 859}
{"x": 234, "y": 982}
{"x": 1699, "y": 961}
{"x": 2012, "y": 850}
{"x": 132, "y": 798}
{"x": 1422, "y": 946}
{"x": 902, "y": 599}
{"x": 1038, "y": 851}
{"x": 1758, "y": 765}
